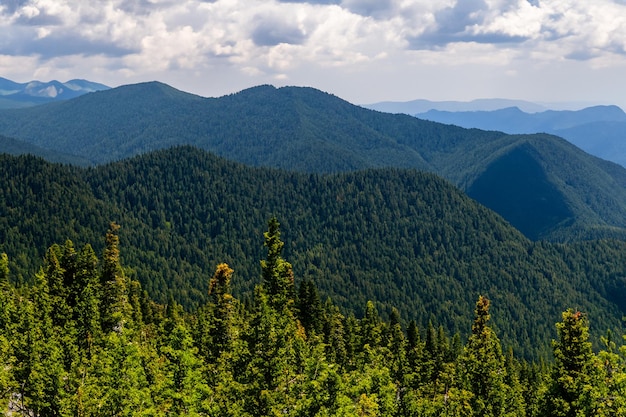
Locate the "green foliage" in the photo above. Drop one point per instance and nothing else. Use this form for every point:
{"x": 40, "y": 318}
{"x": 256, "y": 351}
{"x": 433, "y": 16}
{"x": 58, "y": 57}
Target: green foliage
{"x": 402, "y": 239}
{"x": 229, "y": 359}
{"x": 574, "y": 378}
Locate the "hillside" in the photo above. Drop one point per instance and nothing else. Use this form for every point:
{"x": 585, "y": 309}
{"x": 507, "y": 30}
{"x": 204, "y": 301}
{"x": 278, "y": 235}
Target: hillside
{"x": 399, "y": 237}
{"x": 19, "y": 147}
{"x": 306, "y": 130}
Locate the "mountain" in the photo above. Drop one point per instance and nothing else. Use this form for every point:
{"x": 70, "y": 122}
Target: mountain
{"x": 306, "y": 130}
{"x": 18, "y": 95}
{"x": 423, "y": 106}
{"x": 402, "y": 238}
{"x": 598, "y": 130}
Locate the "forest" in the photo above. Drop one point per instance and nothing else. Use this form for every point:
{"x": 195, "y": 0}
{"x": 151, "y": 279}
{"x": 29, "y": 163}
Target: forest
{"x": 84, "y": 339}
{"x": 402, "y": 239}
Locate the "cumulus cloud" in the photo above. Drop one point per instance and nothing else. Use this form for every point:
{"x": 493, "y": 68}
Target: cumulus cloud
{"x": 283, "y": 38}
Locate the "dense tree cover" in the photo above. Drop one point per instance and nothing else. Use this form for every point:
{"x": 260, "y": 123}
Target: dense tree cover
{"x": 400, "y": 238}
{"x": 84, "y": 339}
{"x": 543, "y": 185}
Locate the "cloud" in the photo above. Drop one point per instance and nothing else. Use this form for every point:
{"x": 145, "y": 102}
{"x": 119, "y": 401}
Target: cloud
{"x": 373, "y": 8}
{"x": 477, "y": 21}
{"x": 11, "y": 6}
{"x": 268, "y": 40}
{"x": 271, "y": 32}
{"x": 326, "y": 2}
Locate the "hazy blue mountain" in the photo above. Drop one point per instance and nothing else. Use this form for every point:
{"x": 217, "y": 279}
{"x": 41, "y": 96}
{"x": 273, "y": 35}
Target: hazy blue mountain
{"x": 548, "y": 188}
{"x": 514, "y": 120}
{"x": 598, "y": 130}
{"x": 422, "y": 106}
{"x": 606, "y": 140}
{"x": 18, "y": 95}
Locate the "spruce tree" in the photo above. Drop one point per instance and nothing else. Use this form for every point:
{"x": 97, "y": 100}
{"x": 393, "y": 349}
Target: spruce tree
{"x": 572, "y": 388}
{"x": 277, "y": 273}
{"x": 482, "y": 366}
{"x": 220, "y": 293}
{"x": 116, "y": 308}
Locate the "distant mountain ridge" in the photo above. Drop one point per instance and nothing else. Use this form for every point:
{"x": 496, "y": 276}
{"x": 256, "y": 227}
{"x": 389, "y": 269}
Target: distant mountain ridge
{"x": 548, "y": 189}
{"x": 484, "y": 104}
{"x": 598, "y": 130}
{"x": 16, "y": 95}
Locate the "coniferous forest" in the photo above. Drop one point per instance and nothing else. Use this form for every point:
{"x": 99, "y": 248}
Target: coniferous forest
{"x": 84, "y": 339}
{"x": 389, "y": 293}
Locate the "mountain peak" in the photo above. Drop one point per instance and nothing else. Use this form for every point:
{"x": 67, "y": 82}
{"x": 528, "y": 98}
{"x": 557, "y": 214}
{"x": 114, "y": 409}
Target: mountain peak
{"x": 35, "y": 92}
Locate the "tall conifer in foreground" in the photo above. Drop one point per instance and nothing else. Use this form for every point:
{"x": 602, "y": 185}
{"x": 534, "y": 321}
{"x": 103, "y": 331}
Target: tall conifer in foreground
{"x": 482, "y": 366}
{"x": 571, "y": 389}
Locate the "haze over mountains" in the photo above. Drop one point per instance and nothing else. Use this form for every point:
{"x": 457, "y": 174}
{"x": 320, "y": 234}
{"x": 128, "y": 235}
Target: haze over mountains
{"x": 544, "y": 186}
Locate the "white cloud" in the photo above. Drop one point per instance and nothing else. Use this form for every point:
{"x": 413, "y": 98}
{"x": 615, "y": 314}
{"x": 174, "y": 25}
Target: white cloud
{"x": 251, "y": 41}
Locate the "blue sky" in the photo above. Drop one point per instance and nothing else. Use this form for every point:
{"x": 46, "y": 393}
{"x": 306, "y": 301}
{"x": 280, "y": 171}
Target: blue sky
{"x": 361, "y": 50}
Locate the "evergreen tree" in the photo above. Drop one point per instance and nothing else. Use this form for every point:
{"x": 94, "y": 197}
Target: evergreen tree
{"x": 574, "y": 378}
{"x": 309, "y": 308}
{"x": 7, "y": 318}
{"x": 116, "y": 309}
{"x": 39, "y": 370}
{"x": 220, "y": 293}
{"x": 87, "y": 295}
{"x": 181, "y": 389}
{"x": 482, "y": 367}
{"x": 277, "y": 273}
{"x": 613, "y": 377}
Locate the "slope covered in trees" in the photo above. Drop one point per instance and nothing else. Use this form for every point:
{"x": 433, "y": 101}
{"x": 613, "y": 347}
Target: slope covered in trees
{"x": 85, "y": 339}
{"x": 400, "y": 238}
{"x": 303, "y": 129}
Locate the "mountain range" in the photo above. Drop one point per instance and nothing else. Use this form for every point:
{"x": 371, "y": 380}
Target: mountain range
{"x": 598, "y": 130}
{"x": 373, "y": 206}
{"x": 16, "y": 95}
{"x": 543, "y": 185}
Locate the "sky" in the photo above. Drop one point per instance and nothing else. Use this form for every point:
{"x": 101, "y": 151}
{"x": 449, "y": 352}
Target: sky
{"x": 364, "y": 51}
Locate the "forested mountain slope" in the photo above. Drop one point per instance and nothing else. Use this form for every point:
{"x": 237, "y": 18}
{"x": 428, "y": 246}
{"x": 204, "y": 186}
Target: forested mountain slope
{"x": 398, "y": 237}
{"x": 20, "y": 147}
{"x": 303, "y": 129}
